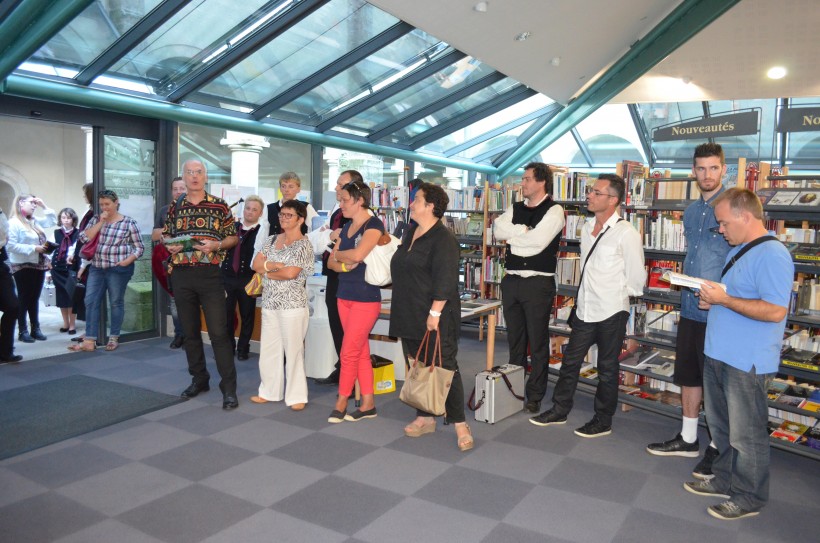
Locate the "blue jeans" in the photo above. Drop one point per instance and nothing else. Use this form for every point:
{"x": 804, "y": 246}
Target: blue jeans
{"x": 101, "y": 280}
{"x": 737, "y": 411}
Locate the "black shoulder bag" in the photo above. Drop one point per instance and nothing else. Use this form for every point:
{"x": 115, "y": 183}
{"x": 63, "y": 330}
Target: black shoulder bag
{"x": 743, "y": 251}
{"x": 573, "y": 312}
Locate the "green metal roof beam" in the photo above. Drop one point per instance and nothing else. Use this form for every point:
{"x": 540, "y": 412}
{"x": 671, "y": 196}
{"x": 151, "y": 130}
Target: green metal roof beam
{"x": 19, "y": 20}
{"x": 689, "y": 18}
{"x": 54, "y": 91}
{"x": 43, "y": 29}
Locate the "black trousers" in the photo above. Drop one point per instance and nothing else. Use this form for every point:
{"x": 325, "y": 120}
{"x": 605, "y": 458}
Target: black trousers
{"x": 449, "y": 326}
{"x": 29, "y": 286}
{"x": 10, "y": 307}
{"x": 235, "y": 294}
{"x": 527, "y": 303}
{"x": 202, "y": 287}
{"x": 609, "y": 336}
{"x": 336, "y": 330}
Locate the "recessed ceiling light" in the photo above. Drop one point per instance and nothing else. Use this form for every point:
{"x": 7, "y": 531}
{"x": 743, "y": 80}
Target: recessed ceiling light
{"x": 686, "y": 79}
{"x": 555, "y": 61}
{"x": 481, "y": 7}
{"x": 777, "y": 72}
{"x": 523, "y": 36}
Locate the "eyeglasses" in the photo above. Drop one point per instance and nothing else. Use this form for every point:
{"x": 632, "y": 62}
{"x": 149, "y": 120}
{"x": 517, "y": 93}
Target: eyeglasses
{"x": 599, "y": 193}
{"x": 194, "y": 172}
{"x": 287, "y": 215}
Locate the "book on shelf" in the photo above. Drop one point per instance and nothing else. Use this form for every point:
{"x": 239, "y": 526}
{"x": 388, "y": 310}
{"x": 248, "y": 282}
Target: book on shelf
{"x": 789, "y": 431}
{"x": 776, "y": 389}
{"x": 688, "y": 281}
{"x": 804, "y": 360}
{"x": 640, "y": 358}
{"x": 656, "y": 278}
{"x": 805, "y": 253}
{"x": 811, "y": 437}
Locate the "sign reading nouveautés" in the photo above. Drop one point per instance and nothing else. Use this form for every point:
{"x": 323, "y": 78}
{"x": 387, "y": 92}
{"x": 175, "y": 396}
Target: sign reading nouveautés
{"x": 736, "y": 124}
{"x": 801, "y": 119}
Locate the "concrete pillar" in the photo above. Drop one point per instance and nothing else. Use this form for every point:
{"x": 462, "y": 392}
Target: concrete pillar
{"x": 89, "y": 153}
{"x": 245, "y": 149}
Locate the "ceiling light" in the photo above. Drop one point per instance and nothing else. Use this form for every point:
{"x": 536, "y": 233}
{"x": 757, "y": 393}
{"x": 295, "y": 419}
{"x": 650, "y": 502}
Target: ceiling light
{"x": 523, "y": 36}
{"x": 481, "y": 7}
{"x": 777, "y": 72}
{"x": 555, "y": 61}
{"x": 686, "y": 79}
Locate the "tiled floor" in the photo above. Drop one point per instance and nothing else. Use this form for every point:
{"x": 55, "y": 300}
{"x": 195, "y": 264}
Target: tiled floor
{"x": 193, "y": 472}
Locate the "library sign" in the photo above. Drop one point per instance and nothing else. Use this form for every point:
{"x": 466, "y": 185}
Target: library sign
{"x": 801, "y": 119}
{"x": 736, "y": 124}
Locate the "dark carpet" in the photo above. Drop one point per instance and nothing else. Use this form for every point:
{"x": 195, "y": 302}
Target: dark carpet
{"x": 37, "y": 415}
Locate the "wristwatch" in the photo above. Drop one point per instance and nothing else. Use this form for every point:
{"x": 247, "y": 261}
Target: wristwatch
{"x": 435, "y": 313}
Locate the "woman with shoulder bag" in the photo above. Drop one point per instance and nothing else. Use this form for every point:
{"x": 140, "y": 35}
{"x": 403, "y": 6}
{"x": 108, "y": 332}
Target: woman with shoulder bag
{"x": 63, "y": 272}
{"x": 28, "y": 248}
{"x": 425, "y": 298}
{"x": 359, "y": 303}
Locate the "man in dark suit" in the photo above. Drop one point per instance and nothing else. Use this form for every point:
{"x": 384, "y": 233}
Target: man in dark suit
{"x": 237, "y": 272}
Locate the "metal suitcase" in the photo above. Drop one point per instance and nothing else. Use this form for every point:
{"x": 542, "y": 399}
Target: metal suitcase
{"x": 496, "y": 398}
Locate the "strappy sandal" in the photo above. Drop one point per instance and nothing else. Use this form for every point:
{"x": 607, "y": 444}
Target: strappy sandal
{"x": 465, "y": 442}
{"x": 113, "y": 343}
{"x": 84, "y": 347}
{"x": 418, "y": 430}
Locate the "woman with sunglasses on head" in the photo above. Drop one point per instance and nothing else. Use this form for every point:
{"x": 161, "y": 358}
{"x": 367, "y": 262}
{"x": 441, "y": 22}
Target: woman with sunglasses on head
{"x": 119, "y": 246}
{"x": 28, "y": 248}
{"x": 285, "y": 262}
{"x": 359, "y": 303}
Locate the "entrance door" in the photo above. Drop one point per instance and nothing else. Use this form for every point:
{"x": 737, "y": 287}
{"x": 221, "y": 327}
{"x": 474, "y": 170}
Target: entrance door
{"x": 129, "y": 169}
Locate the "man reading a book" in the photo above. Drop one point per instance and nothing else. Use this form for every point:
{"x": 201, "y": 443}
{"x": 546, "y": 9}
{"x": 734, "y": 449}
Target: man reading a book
{"x": 197, "y": 281}
{"x": 744, "y": 335}
{"x": 612, "y": 270}
{"x": 532, "y": 230}
{"x": 705, "y": 255}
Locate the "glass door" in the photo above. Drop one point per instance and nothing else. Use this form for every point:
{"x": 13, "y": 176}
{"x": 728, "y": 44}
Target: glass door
{"x": 129, "y": 169}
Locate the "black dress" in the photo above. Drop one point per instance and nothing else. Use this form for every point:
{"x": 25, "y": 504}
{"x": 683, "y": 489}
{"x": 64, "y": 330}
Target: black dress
{"x": 61, "y": 270}
{"x": 426, "y": 273}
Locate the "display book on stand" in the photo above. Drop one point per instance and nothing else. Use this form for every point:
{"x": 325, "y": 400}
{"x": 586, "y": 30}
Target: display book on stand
{"x": 647, "y": 362}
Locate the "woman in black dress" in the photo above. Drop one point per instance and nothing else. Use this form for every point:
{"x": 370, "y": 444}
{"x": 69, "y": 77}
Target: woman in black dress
{"x": 63, "y": 274}
{"x": 425, "y": 297}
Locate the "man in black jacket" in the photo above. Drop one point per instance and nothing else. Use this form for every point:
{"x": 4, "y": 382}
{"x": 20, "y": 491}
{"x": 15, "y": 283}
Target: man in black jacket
{"x": 531, "y": 230}
{"x": 237, "y": 272}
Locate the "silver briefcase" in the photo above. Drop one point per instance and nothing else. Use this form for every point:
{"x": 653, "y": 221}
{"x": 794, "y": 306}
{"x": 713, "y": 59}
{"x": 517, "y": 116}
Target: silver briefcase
{"x": 498, "y": 393}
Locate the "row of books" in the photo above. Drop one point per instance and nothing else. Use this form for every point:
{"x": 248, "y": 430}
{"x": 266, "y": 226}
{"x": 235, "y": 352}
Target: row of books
{"x": 790, "y": 198}
{"x": 790, "y": 394}
{"x": 470, "y": 198}
{"x": 570, "y": 186}
{"x": 795, "y": 432}
{"x": 655, "y": 274}
{"x": 494, "y": 269}
{"x": 573, "y": 225}
{"x": 396, "y": 197}
{"x": 664, "y": 232}
{"x": 503, "y": 199}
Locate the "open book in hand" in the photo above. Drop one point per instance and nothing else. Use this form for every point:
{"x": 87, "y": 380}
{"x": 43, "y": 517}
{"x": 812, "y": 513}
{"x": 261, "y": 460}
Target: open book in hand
{"x": 188, "y": 243}
{"x": 686, "y": 280}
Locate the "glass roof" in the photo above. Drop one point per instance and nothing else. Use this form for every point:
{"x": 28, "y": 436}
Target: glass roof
{"x": 347, "y": 69}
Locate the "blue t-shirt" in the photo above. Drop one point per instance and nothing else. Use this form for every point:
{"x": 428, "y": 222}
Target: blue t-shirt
{"x": 706, "y": 251}
{"x": 765, "y": 273}
{"x": 352, "y": 285}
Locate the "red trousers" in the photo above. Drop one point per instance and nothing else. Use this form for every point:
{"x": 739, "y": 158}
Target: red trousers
{"x": 357, "y": 319}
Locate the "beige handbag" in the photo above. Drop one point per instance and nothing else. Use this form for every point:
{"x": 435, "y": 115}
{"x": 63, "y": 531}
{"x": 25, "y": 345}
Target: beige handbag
{"x": 426, "y": 387}
{"x": 254, "y": 286}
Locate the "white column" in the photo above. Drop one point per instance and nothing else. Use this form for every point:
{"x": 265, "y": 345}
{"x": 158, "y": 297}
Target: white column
{"x": 245, "y": 149}
{"x": 89, "y": 153}
{"x": 454, "y": 178}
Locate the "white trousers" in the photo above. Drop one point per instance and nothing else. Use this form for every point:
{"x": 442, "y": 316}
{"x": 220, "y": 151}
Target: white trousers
{"x": 283, "y": 335}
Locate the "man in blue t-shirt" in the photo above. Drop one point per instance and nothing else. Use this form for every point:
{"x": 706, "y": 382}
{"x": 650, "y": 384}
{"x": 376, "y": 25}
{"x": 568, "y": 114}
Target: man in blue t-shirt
{"x": 744, "y": 334}
{"x": 705, "y": 254}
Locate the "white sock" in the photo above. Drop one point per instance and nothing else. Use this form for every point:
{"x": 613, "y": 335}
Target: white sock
{"x": 712, "y": 444}
{"x": 689, "y": 429}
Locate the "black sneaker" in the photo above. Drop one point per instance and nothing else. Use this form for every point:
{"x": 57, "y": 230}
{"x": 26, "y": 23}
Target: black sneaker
{"x": 594, "y": 428}
{"x": 337, "y": 416}
{"x": 703, "y": 470}
{"x": 358, "y": 415}
{"x": 533, "y": 407}
{"x": 729, "y": 510}
{"x": 25, "y": 337}
{"x": 704, "y": 488}
{"x": 548, "y": 418}
{"x": 674, "y": 447}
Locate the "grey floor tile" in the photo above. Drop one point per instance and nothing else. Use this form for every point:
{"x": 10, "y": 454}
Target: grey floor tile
{"x": 552, "y": 439}
{"x": 441, "y": 445}
{"x": 124, "y": 488}
{"x": 67, "y": 465}
{"x": 483, "y": 494}
{"x": 109, "y": 531}
{"x": 199, "y": 459}
{"x": 506, "y": 533}
{"x": 323, "y": 452}
{"x": 189, "y": 515}
{"x": 521, "y": 463}
{"x": 665, "y": 495}
{"x": 596, "y": 480}
{"x": 314, "y": 417}
{"x": 263, "y": 525}
{"x": 176, "y": 409}
{"x": 569, "y": 516}
{"x": 144, "y": 439}
{"x": 379, "y": 431}
{"x": 263, "y": 480}
{"x": 9, "y": 382}
{"x": 391, "y": 407}
{"x": 42, "y": 451}
{"x": 261, "y": 435}
{"x": 784, "y": 520}
{"x": 111, "y": 429}
{"x": 209, "y": 419}
{"x": 338, "y": 504}
{"x": 669, "y": 530}
{"x": 415, "y": 520}
{"x": 16, "y": 488}
{"x": 23, "y": 522}
{"x": 393, "y": 470}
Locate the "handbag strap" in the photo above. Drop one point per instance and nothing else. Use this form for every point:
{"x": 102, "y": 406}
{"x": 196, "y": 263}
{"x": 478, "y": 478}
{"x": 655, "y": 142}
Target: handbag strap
{"x": 584, "y": 267}
{"x": 743, "y": 251}
{"x": 436, "y": 351}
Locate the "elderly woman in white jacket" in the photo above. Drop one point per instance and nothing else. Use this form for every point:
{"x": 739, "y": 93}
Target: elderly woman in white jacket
{"x": 27, "y": 248}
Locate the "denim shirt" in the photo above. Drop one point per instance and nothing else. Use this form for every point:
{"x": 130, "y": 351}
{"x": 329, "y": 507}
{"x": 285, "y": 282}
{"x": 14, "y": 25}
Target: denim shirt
{"x": 706, "y": 251}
